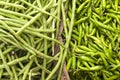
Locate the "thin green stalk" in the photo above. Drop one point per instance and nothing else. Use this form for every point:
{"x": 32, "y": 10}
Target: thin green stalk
{"x": 27, "y": 69}
{"x": 11, "y": 4}
{"x": 5, "y": 64}
{"x": 45, "y": 49}
{"x": 64, "y": 20}
{"x": 58, "y": 16}
{"x": 53, "y": 36}
{"x": 69, "y": 37}
{"x": 8, "y": 50}
{"x": 1, "y": 73}
{"x": 13, "y": 68}
{"x": 14, "y": 13}
{"x": 28, "y": 24}
{"x": 57, "y": 65}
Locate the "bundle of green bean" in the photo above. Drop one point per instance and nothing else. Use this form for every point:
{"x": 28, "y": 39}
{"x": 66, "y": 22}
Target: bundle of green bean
{"x": 94, "y": 51}
{"x": 27, "y": 38}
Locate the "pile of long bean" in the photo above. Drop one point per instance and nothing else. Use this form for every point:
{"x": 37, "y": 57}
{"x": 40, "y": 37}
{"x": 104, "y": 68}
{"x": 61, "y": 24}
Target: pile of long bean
{"x": 30, "y": 29}
{"x": 94, "y": 51}
{"x": 27, "y": 39}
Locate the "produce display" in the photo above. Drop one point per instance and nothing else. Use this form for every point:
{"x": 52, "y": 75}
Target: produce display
{"x": 59, "y": 40}
{"x": 94, "y": 52}
{"x": 27, "y": 38}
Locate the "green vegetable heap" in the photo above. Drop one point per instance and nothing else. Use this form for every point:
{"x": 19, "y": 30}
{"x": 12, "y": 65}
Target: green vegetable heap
{"x": 40, "y": 39}
{"x": 94, "y": 52}
{"x": 27, "y": 39}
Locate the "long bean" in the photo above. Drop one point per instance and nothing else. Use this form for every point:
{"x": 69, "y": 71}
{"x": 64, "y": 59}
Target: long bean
{"x": 13, "y": 5}
{"x": 23, "y": 28}
{"x": 86, "y": 33}
{"x": 69, "y": 35}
